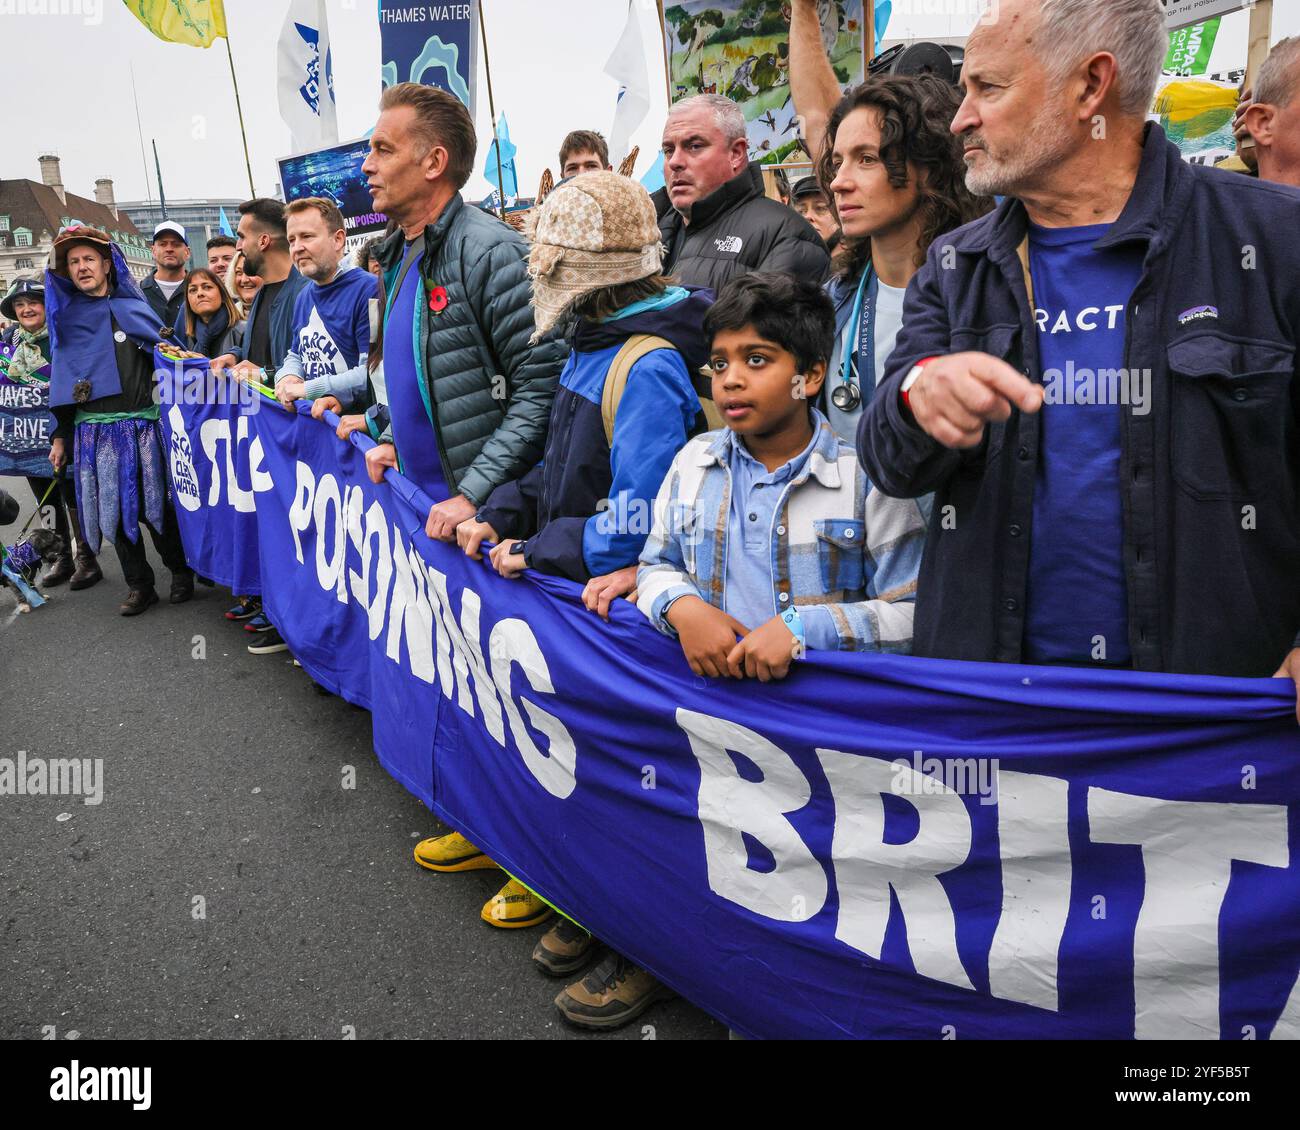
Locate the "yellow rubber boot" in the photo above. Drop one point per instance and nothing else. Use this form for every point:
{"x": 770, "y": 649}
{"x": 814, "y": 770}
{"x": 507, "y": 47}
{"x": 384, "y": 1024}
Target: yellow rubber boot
{"x": 452, "y": 852}
{"x": 515, "y": 907}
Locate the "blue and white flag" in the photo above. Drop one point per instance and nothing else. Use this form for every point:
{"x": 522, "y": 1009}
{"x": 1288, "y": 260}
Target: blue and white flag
{"x": 226, "y": 229}
{"x": 627, "y": 66}
{"x": 305, "y": 71}
{"x": 508, "y": 178}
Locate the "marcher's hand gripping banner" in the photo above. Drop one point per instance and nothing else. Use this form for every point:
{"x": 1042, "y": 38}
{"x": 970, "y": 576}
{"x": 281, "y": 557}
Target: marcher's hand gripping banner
{"x": 880, "y": 846}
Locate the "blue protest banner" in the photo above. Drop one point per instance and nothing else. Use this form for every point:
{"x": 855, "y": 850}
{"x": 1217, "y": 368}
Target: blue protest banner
{"x": 26, "y": 423}
{"x": 433, "y": 44}
{"x": 214, "y": 458}
{"x": 332, "y": 551}
{"x": 880, "y": 846}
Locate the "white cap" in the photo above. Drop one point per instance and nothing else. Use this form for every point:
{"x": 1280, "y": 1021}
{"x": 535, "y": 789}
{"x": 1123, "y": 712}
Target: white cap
{"x": 173, "y": 227}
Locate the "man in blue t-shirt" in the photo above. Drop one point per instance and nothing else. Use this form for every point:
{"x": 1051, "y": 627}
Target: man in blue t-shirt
{"x": 331, "y": 319}
{"x": 1077, "y": 610}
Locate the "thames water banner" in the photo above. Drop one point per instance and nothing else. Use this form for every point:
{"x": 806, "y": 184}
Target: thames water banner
{"x": 879, "y": 846}
{"x": 433, "y": 44}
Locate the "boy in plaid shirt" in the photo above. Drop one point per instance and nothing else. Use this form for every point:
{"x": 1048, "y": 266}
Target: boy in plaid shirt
{"x": 768, "y": 537}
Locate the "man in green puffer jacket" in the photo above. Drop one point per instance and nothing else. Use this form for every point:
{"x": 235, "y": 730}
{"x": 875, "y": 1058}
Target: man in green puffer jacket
{"x": 468, "y": 396}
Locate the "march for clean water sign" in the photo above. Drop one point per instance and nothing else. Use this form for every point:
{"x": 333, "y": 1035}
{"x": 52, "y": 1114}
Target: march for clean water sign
{"x": 880, "y": 846}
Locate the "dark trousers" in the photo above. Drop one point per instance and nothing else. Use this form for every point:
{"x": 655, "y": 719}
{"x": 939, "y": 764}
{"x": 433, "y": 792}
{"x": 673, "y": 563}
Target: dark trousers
{"x": 135, "y": 564}
{"x": 62, "y": 499}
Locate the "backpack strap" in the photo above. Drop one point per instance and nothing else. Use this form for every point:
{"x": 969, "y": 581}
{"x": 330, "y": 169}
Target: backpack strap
{"x": 635, "y": 348}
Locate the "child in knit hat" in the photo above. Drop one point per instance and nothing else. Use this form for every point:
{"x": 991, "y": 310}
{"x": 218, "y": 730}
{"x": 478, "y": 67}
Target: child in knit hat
{"x": 628, "y": 401}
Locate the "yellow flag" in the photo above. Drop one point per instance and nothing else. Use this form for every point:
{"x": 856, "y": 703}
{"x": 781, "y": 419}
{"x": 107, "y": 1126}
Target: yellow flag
{"x": 196, "y": 23}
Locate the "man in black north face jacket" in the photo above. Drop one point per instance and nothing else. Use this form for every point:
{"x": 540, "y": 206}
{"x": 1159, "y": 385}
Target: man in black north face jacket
{"x": 714, "y": 218}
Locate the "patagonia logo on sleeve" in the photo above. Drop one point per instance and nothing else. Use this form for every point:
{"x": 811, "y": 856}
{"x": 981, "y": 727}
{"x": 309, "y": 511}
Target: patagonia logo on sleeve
{"x": 1198, "y": 314}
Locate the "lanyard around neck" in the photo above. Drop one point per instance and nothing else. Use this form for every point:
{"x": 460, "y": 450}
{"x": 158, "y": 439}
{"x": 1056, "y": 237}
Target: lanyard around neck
{"x": 861, "y": 335}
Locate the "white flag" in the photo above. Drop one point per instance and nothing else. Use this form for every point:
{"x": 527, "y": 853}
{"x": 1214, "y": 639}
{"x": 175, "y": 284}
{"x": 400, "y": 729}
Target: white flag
{"x": 305, "y": 77}
{"x": 628, "y": 67}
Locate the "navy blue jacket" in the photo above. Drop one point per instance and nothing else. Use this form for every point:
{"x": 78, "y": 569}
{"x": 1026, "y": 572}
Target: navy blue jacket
{"x": 166, "y": 308}
{"x": 1210, "y": 476}
{"x": 585, "y": 510}
{"x": 281, "y": 329}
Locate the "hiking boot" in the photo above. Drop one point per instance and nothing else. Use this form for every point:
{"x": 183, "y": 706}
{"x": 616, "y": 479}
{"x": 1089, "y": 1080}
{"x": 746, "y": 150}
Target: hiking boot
{"x": 515, "y": 907}
{"x": 137, "y": 600}
{"x": 268, "y": 643}
{"x": 87, "y": 572}
{"x": 452, "y": 852}
{"x": 60, "y": 572}
{"x": 182, "y": 588}
{"x": 611, "y": 995}
{"x": 565, "y": 948}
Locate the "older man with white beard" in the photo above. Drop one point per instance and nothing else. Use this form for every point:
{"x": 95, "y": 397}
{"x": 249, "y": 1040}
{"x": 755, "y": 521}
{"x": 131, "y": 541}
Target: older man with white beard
{"x": 1098, "y": 380}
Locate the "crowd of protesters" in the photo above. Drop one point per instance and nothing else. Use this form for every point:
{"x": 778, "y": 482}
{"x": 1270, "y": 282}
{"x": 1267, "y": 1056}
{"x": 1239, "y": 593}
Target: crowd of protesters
{"x": 995, "y": 385}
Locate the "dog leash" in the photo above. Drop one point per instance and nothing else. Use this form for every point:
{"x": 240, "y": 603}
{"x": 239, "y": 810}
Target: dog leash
{"x": 36, "y": 513}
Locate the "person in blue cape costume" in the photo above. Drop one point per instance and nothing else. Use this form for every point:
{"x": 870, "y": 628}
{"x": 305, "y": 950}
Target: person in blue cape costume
{"x": 102, "y": 333}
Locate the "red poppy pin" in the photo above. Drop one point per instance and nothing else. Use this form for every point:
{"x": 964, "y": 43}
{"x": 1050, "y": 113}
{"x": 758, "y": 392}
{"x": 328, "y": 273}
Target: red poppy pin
{"x": 438, "y": 299}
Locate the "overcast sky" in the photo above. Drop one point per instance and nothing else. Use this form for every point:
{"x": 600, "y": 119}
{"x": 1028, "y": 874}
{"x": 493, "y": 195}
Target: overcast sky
{"x": 548, "y": 59}
{"x": 68, "y": 87}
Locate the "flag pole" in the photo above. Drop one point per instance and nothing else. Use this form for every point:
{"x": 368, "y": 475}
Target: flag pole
{"x": 144, "y": 161}
{"x": 240, "y": 110}
{"x": 667, "y": 53}
{"x": 162, "y": 196}
{"x": 492, "y": 109}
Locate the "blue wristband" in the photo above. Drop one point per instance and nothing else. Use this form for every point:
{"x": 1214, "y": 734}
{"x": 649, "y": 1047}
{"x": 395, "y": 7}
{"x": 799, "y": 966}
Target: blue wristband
{"x": 791, "y": 619}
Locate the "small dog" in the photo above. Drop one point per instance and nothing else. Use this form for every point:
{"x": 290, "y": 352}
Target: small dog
{"x": 22, "y": 565}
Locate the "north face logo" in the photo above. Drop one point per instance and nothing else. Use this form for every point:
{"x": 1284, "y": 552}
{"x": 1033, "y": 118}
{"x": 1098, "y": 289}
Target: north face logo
{"x": 729, "y": 246}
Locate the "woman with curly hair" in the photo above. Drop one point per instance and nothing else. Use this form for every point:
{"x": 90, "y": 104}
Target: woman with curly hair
{"x": 896, "y": 175}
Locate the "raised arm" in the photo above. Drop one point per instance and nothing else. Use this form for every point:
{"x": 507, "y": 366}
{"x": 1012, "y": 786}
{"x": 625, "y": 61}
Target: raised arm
{"x": 814, "y": 89}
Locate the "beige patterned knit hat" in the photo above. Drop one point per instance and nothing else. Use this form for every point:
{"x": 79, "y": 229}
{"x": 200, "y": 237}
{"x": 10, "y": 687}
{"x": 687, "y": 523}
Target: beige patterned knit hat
{"x": 596, "y": 230}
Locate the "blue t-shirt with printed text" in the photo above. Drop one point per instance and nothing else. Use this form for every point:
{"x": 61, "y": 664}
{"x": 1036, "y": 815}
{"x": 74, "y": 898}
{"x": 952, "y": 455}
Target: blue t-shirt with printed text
{"x": 1077, "y": 600}
{"x": 331, "y": 323}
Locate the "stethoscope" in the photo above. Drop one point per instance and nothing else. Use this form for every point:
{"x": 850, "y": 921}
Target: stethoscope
{"x": 847, "y": 395}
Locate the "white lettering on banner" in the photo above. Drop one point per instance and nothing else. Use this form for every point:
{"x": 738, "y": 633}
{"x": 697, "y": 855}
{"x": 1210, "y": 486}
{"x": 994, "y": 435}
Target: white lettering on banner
{"x": 1288, "y": 1024}
{"x": 300, "y": 510}
{"x": 455, "y": 639}
{"x": 867, "y": 868}
{"x": 420, "y": 612}
{"x": 1188, "y": 848}
{"x": 750, "y": 788}
{"x": 410, "y": 616}
{"x": 217, "y": 432}
{"x": 731, "y": 806}
{"x": 487, "y": 699}
{"x": 1187, "y": 854}
{"x": 180, "y": 452}
{"x": 329, "y": 570}
{"x": 512, "y": 641}
{"x": 1034, "y": 840}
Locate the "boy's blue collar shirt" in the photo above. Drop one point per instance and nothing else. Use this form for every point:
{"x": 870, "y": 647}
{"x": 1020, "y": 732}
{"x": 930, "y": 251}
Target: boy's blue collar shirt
{"x": 821, "y": 459}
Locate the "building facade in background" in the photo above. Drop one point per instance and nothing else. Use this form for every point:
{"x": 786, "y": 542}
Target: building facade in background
{"x": 201, "y": 219}
{"x": 32, "y": 212}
